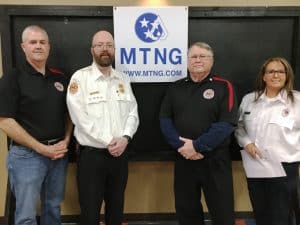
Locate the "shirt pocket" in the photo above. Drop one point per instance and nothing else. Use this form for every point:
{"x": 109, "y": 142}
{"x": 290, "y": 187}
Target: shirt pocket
{"x": 95, "y": 105}
{"x": 123, "y": 101}
{"x": 284, "y": 122}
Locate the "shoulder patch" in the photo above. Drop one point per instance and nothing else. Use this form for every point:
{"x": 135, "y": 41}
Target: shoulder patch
{"x": 55, "y": 71}
{"x": 73, "y": 88}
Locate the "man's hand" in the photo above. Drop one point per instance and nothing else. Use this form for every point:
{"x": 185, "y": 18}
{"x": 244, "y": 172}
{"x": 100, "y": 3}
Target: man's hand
{"x": 55, "y": 151}
{"x": 15, "y": 131}
{"x": 117, "y": 146}
{"x": 62, "y": 148}
{"x": 197, "y": 156}
{"x": 188, "y": 151}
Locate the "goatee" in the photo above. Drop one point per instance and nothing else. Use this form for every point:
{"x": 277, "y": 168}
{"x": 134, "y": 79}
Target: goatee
{"x": 104, "y": 59}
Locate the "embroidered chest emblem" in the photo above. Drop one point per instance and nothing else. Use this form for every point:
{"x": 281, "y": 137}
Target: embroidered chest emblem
{"x": 59, "y": 86}
{"x": 285, "y": 112}
{"x": 208, "y": 93}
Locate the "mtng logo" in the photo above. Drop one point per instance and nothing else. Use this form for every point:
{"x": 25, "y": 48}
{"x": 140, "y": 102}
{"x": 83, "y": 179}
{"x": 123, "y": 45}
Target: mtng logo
{"x": 150, "y": 28}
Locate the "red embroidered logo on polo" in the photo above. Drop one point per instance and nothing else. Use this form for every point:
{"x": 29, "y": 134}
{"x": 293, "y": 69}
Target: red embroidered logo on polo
{"x": 208, "y": 94}
{"x": 59, "y": 86}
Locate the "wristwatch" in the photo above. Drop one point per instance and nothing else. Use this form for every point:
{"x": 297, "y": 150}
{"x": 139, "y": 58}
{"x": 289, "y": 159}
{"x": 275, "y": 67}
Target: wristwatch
{"x": 127, "y": 137}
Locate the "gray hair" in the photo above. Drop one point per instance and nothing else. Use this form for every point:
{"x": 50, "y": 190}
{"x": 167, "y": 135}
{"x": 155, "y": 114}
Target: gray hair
{"x": 35, "y": 28}
{"x": 202, "y": 45}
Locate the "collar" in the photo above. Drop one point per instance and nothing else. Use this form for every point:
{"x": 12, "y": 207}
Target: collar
{"x": 32, "y": 71}
{"x": 97, "y": 74}
{"x": 206, "y": 79}
{"x": 281, "y": 97}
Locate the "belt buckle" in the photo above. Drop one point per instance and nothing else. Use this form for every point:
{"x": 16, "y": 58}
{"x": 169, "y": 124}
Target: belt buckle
{"x": 52, "y": 141}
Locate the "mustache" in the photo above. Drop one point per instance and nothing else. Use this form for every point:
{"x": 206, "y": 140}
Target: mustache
{"x": 38, "y": 51}
{"x": 105, "y": 54}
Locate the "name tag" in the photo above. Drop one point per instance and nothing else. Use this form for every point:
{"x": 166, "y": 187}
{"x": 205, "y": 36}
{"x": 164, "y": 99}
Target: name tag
{"x": 95, "y": 98}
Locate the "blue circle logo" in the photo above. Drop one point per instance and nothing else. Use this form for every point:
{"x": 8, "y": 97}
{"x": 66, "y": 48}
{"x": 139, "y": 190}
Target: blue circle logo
{"x": 150, "y": 28}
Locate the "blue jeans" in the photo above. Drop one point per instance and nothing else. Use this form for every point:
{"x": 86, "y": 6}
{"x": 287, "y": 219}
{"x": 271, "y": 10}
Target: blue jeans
{"x": 31, "y": 175}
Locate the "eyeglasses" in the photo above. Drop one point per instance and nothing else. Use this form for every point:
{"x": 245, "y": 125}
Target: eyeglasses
{"x": 101, "y": 46}
{"x": 203, "y": 57}
{"x": 272, "y": 72}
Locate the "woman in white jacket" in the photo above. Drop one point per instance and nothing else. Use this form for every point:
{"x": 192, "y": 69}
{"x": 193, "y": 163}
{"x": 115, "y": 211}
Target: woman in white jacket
{"x": 269, "y": 131}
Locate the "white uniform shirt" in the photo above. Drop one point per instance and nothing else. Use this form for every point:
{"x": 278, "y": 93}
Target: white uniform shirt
{"x": 101, "y": 107}
{"x": 272, "y": 124}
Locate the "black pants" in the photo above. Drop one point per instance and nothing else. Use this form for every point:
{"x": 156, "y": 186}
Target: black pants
{"x": 298, "y": 199}
{"x": 274, "y": 200}
{"x": 213, "y": 175}
{"x": 101, "y": 177}
{"x": 292, "y": 171}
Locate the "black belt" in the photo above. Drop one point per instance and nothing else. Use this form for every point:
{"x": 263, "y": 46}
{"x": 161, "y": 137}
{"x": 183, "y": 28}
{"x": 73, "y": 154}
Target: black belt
{"x": 84, "y": 147}
{"x": 46, "y": 142}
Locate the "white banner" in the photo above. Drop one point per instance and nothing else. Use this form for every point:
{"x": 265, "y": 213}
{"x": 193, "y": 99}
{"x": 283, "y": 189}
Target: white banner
{"x": 151, "y": 43}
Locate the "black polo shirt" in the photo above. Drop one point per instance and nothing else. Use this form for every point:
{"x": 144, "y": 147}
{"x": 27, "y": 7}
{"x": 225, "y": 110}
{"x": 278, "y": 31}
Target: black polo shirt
{"x": 36, "y": 101}
{"x": 194, "y": 106}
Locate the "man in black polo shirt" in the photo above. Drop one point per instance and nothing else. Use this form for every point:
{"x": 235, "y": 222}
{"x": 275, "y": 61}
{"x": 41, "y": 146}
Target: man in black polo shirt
{"x": 33, "y": 114}
{"x": 197, "y": 116}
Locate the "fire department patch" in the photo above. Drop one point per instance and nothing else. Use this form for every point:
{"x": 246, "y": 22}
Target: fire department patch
{"x": 73, "y": 88}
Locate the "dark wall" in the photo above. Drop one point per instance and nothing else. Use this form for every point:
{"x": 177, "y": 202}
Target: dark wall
{"x": 241, "y": 45}
{"x": 242, "y": 39}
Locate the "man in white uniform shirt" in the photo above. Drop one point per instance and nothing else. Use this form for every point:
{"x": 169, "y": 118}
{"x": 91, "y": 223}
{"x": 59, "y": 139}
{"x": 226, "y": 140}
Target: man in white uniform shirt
{"x": 104, "y": 112}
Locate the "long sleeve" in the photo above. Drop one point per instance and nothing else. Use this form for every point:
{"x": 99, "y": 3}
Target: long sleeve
{"x": 167, "y": 126}
{"x": 132, "y": 121}
{"x": 216, "y": 134}
{"x": 240, "y": 133}
{"x": 170, "y": 133}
